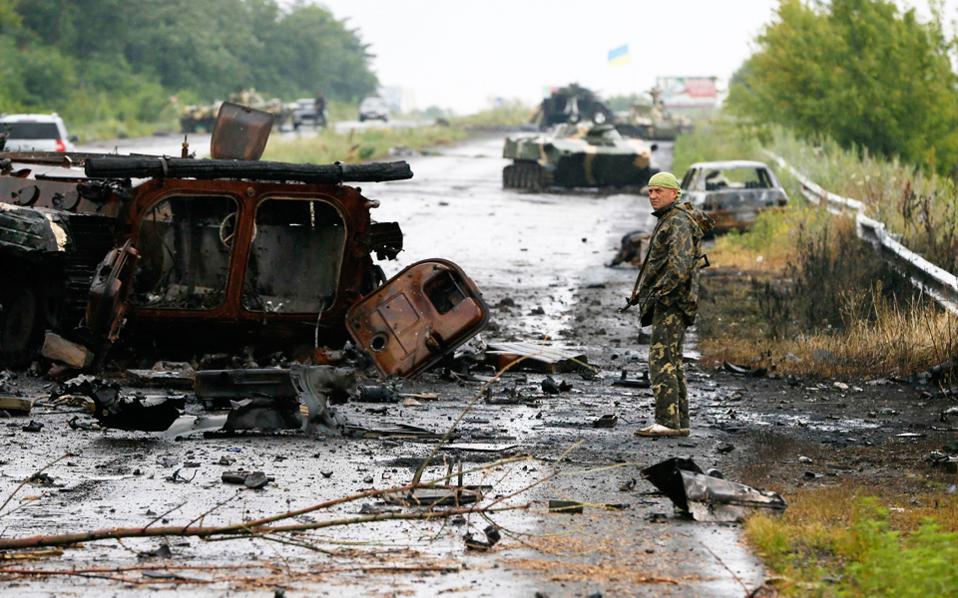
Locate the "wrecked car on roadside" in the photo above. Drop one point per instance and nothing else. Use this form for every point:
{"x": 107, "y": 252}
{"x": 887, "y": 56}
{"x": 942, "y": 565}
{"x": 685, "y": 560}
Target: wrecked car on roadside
{"x": 185, "y": 255}
{"x": 732, "y": 192}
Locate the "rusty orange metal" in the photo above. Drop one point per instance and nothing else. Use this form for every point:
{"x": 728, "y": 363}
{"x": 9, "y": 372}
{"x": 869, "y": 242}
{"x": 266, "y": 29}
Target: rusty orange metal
{"x": 417, "y": 317}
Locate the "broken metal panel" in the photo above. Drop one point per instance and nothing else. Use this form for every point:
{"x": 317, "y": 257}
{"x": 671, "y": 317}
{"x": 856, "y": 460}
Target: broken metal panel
{"x": 541, "y": 358}
{"x": 708, "y": 498}
{"x": 243, "y": 384}
{"x": 240, "y": 132}
{"x": 108, "y": 306}
{"x": 417, "y": 317}
{"x": 296, "y": 256}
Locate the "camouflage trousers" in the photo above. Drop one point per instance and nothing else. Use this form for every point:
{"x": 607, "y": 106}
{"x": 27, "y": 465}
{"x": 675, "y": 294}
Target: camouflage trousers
{"x": 666, "y": 370}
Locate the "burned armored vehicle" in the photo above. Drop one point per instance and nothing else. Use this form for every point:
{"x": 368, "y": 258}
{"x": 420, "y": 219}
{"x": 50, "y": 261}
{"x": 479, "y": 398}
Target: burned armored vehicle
{"x": 571, "y": 104}
{"x": 185, "y": 255}
{"x": 733, "y": 192}
{"x": 653, "y": 120}
{"x": 576, "y": 156}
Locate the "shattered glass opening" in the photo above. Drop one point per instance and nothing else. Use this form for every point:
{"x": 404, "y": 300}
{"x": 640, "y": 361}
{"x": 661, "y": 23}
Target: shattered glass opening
{"x": 184, "y": 261}
{"x": 295, "y": 257}
{"x": 444, "y": 292}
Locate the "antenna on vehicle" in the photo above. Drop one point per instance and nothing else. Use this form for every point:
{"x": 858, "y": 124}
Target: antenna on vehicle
{"x": 185, "y": 149}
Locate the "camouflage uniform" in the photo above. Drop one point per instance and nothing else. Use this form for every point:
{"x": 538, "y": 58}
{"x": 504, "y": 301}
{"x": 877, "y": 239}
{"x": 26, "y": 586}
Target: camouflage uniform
{"x": 667, "y": 291}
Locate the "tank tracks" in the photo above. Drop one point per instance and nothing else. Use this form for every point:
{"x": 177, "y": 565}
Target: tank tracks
{"x": 525, "y": 174}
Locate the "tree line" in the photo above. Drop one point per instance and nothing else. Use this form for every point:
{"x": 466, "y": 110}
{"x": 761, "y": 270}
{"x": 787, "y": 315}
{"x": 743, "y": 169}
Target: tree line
{"x": 100, "y": 59}
{"x": 863, "y": 72}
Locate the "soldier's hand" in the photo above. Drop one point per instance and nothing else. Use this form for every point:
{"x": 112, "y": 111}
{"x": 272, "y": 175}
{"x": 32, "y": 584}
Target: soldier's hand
{"x": 629, "y": 302}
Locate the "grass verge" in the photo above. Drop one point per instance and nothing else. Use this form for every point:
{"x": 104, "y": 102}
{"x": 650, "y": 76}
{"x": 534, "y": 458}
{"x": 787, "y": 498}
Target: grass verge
{"x": 844, "y": 541}
{"x": 360, "y": 145}
{"x": 799, "y": 293}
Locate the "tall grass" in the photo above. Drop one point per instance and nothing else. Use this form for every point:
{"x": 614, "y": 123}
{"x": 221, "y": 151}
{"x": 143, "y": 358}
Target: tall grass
{"x": 835, "y": 542}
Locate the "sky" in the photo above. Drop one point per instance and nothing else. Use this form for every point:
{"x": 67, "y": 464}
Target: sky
{"x": 461, "y": 54}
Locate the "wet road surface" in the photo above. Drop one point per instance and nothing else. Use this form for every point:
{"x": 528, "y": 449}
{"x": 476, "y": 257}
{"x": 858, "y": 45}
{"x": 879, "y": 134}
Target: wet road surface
{"x": 545, "y": 252}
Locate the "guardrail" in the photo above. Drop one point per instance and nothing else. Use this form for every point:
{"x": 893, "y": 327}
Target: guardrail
{"x": 937, "y": 282}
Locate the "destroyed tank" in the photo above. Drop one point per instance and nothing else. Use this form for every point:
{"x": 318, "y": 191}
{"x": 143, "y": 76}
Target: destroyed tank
{"x": 652, "y": 120}
{"x": 571, "y": 104}
{"x": 182, "y": 256}
{"x": 576, "y": 156}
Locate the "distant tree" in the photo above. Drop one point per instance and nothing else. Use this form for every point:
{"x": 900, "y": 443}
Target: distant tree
{"x": 860, "y": 71}
{"x": 119, "y": 59}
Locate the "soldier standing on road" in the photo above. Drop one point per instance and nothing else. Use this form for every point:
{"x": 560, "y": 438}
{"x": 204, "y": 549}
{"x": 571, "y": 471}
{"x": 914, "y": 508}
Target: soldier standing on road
{"x": 667, "y": 293}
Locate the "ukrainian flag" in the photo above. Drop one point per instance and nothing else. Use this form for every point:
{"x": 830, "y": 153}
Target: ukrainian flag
{"x": 619, "y": 55}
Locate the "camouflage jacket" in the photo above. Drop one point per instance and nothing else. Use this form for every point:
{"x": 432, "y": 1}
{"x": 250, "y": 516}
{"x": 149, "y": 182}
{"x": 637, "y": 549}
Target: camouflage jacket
{"x": 670, "y": 273}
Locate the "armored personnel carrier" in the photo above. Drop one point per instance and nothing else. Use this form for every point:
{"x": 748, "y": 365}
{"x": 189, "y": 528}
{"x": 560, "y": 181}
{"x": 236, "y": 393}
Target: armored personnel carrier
{"x": 186, "y": 255}
{"x": 652, "y": 120}
{"x": 576, "y": 156}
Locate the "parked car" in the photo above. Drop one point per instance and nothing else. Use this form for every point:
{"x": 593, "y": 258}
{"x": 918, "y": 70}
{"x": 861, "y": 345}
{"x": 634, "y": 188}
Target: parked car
{"x": 305, "y": 112}
{"x": 35, "y": 133}
{"x": 373, "y": 108}
{"x": 733, "y": 192}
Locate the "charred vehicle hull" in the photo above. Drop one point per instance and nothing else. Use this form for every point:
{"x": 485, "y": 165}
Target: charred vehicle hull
{"x": 574, "y": 157}
{"x": 733, "y": 193}
{"x": 198, "y": 254}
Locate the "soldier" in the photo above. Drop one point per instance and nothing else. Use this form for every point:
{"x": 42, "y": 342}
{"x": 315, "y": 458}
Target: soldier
{"x": 666, "y": 292}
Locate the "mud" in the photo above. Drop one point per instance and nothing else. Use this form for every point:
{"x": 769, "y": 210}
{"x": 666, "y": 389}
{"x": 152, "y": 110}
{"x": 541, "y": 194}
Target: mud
{"x": 544, "y": 253}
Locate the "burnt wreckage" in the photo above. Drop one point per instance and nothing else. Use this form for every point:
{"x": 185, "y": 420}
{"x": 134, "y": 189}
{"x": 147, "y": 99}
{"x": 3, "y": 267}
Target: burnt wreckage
{"x": 187, "y": 255}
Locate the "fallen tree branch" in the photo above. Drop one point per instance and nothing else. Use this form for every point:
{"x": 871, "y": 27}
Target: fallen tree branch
{"x": 33, "y": 475}
{"x": 239, "y": 529}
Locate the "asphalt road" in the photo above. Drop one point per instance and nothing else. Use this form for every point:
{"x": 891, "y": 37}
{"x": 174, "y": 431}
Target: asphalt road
{"x": 544, "y": 252}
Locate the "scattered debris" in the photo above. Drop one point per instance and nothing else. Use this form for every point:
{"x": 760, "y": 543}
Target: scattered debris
{"x": 541, "y": 358}
{"x": 551, "y": 387}
{"x": 17, "y": 405}
{"x": 744, "y": 370}
{"x": 57, "y": 348}
{"x": 948, "y": 463}
{"x": 804, "y": 460}
{"x": 376, "y": 393}
{"x": 724, "y": 447}
{"x": 492, "y": 538}
{"x": 606, "y": 421}
{"x": 33, "y": 426}
{"x": 160, "y": 552}
{"x": 707, "y": 498}
{"x": 165, "y": 374}
{"x": 623, "y": 380}
{"x": 565, "y": 506}
{"x": 251, "y": 479}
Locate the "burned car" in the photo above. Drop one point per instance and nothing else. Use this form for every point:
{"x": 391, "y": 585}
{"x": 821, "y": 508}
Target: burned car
{"x": 186, "y": 255}
{"x": 733, "y": 192}
{"x": 576, "y": 156}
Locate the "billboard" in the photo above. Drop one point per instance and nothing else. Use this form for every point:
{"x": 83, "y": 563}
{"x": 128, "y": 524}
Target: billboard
{"x": 688, "y": 92}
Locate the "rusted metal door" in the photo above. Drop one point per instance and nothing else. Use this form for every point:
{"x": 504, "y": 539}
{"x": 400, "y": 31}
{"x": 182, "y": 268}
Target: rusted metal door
{"x": 417, "y": 317}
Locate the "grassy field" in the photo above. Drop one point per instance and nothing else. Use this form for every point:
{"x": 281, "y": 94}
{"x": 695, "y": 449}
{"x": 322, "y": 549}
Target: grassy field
{"x": 844, "y": 541}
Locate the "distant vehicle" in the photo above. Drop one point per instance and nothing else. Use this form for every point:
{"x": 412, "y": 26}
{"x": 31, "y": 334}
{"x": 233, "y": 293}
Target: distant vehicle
{"x": 373, "y": 108}
{"x": 653, "y": 120}
{"x": 571, "y": 104}
{"x": 576, "y": 156}
{"x": 733, "y": 192}
{"x": 35, "y": 133}
{"x": 304, "y": 112}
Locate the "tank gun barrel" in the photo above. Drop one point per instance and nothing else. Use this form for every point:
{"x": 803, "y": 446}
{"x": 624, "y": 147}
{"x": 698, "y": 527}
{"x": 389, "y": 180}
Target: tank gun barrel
{"x": 158, "y": 167}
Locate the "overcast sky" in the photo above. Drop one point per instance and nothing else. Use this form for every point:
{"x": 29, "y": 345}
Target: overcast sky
{"x": 462, "y": 53}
